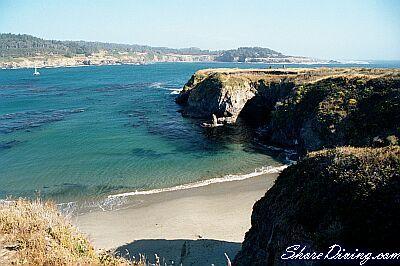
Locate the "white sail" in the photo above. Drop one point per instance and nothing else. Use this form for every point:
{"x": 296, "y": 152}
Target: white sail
{"x": 36, "y": 73}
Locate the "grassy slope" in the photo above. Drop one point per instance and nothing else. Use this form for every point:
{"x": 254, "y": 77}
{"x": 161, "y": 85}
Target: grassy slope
{"x": 35, "y": 233}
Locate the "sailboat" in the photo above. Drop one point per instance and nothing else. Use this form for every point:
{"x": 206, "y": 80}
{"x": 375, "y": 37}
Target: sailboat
{"x": 36, "y": 73}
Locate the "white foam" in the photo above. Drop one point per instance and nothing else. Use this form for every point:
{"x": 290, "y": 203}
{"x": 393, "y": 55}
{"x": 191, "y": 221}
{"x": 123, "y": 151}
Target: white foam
{"x": 175, "y": 91}
{"x": 157, "y": 85}
{"x": 227, "y": 178}
{"x": 4, "y": 201}
{"x": 67, "y": 208}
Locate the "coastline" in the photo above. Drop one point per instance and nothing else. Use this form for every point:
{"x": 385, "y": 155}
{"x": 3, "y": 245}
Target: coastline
{"x": 217, "y": 214}
{"x": 227, "y": 178}
{"x": 322, "y": 63}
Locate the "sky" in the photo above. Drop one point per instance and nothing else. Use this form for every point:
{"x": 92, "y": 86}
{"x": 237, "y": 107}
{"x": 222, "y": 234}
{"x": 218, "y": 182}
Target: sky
{"x": 336, "y": 29}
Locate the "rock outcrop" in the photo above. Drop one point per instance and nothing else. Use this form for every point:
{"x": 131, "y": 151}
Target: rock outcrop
{"x": 307, "y": 109}
{"x": 346, "y": 196}
{"x": 216, "y": 93}
{"x": 225, "y": 92}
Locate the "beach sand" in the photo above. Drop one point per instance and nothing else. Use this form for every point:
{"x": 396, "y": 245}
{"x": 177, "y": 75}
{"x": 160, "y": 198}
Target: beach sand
{"x": 191, "y": 226}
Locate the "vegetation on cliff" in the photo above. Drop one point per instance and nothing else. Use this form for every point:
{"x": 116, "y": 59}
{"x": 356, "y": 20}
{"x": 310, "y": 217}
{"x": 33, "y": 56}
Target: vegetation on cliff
{"x": 20, "y": 45}
{"x": 35, "y": 233}
{"x": 347, "y": 196}
{"x": 337, "y": 111}
{"x": 244, "y": 54}
{"x": 22, "y": 50}
{"x": 308, "y": 109}
{"x": 344, "y": 195}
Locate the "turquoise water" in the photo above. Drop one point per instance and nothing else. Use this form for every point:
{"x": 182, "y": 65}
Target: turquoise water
{"x": 89, "y": 132}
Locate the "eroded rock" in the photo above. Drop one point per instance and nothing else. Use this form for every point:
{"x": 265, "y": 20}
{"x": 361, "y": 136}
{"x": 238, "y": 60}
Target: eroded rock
{"x": 305, "y": 109}
{"x": 346, "y": 196}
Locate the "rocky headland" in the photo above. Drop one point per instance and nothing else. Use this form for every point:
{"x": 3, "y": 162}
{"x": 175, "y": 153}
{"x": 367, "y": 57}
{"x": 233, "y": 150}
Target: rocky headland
{"x": 345, "y": 196}
{"x": 306, "y": 109}
{"x": 334, "y": 194}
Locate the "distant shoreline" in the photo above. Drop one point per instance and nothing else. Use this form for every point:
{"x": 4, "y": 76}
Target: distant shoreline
{"x": 162, "y": 62}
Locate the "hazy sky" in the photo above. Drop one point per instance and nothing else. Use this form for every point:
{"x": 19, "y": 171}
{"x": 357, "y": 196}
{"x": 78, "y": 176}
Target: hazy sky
{"x": 336, "y": 29}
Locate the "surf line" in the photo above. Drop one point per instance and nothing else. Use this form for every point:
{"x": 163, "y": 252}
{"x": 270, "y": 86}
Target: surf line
{"x": 227, "y": 178}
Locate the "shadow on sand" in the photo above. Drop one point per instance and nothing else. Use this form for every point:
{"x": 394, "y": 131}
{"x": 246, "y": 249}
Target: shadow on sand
{"x": 188, "y": 252}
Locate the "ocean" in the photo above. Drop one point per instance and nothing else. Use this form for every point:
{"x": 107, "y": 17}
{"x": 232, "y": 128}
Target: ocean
{"x": 87, "y": 133}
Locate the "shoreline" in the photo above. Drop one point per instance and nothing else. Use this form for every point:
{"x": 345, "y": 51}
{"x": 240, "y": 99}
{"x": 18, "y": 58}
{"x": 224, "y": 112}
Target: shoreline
{"x": 227, "y": 178}
{"x": 124, "y": 200}
{"x": 217, "y": 214}
{"x": 219, "y": 62}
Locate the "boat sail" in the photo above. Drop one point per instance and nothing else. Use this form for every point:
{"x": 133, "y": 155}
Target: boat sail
{"x": 36, "y": 73}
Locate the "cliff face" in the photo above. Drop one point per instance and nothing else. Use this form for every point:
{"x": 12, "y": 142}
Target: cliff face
{"x": 225, "y": 92}
{"x": 217, "y": 95}
{"x": 308, "y": 109}
{"x": 98, "y": 59}
{"x": 337, "y": 111}
{"x": 346, "y": 196}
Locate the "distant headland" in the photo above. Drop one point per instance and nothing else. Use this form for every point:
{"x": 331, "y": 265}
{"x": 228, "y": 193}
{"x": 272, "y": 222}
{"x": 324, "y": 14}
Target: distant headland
{"x": 26, "y": 51}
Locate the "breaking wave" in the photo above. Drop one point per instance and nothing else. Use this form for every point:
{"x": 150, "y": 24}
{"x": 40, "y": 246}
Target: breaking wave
{"x": 227, "y": 178}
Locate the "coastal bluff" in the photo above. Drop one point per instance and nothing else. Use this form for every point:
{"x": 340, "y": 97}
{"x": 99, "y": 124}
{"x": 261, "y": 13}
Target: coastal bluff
{"x": 345, "y": 196}
{"x": 335, "y": 193}
{"x": 303, "y": 108}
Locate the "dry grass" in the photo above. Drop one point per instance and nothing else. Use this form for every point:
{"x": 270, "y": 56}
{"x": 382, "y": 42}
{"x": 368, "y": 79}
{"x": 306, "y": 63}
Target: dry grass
{"x": 299, "y": 75}
{"x": 35, "y": 233}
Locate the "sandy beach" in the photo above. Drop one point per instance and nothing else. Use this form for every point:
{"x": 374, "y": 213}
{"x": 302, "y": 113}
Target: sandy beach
{"x": 186, "y": 226}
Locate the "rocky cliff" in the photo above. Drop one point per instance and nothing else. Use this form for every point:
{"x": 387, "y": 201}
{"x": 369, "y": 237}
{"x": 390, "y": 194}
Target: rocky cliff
{"x": 346, "y": 196}
{"x": 225, "y": 92}
{"x": 307, "y": 109}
